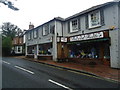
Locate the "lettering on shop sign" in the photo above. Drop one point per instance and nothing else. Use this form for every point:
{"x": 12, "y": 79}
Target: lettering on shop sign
{"x": 58, "y": 39}
{"x": 63, "y": 39}
{"x": 50, "y": 39}
{"x": 87, "y": 36}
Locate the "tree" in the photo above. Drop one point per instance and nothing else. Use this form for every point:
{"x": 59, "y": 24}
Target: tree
{"x": 9, "y": 4}
{"x": 9, "y": 31}
{"x": 6, "y": 46}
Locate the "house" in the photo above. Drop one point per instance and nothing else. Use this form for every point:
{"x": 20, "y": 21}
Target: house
{"x": 89, "y": 35}
{"x": 18, "y": 44}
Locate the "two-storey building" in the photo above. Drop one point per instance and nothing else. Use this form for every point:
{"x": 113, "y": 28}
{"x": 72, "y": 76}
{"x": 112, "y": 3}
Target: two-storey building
{"x": 41, "y": 42}
{"x": 18, "y": 45}
{"x": 92, "y": 34}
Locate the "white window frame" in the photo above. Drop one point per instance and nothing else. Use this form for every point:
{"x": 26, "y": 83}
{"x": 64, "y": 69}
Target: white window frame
{"x": 45, "y": 30}
{"x": 29, "y": 35}
{"x": 19, "y": 48}
{"x": 51, "y": 28}
{"x": 73, "y": 29}
{"x": 35, "y": 33}
{"x": 97, "y": 16}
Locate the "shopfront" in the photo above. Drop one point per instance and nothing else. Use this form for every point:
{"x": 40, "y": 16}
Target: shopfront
{"x": 30, "y": 51}
{"x": 45, "y": 51}
{"x": 92, "y": 46}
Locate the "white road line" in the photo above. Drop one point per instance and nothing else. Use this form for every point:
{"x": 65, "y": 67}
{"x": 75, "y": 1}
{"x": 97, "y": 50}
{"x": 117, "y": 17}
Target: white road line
{"x": 24, "y": 69}
{"x": 5, "y": 62}
{"x": 59, "y": 84}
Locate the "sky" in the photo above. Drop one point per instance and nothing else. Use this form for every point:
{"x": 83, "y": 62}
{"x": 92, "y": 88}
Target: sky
{"x": 40, "y": 11}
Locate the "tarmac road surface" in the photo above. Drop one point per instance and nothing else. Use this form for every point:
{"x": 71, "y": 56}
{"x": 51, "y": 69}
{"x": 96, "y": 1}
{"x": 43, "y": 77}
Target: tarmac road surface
{"x": 20, "y": 73}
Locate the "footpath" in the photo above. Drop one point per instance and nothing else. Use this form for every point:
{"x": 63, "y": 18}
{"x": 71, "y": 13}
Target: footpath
{"x": 102, "y": 71}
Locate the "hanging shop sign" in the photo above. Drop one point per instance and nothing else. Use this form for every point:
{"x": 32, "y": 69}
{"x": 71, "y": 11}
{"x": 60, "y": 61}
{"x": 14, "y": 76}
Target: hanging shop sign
{"x": 87, "y": 36}
{"x": 61, "y": 39}
{"x": 50, "y": 39}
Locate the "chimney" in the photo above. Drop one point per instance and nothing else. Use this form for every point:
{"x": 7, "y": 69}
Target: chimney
{"x": 31, "y": 26}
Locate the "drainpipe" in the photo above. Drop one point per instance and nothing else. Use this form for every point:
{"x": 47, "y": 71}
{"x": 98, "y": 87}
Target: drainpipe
{"x": 26, "y": 52}
{"x": 62, "y": 28}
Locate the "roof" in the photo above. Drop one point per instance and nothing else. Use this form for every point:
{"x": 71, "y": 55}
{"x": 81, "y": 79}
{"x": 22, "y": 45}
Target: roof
{"x": 91, "y": 9}
{"x": 78, "y": 14}
{"x": 56, "y": 18}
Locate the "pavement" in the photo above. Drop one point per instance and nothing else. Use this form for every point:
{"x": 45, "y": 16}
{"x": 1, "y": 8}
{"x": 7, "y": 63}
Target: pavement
{"x": 102, "y": 71}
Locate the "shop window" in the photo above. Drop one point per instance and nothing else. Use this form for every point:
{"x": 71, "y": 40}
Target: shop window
{"x": 83, "y": 51}
{"x": 94, "y": 19}
{"x": 46, "y": 30}
{"x": 45, "y": 49}
{"x": 107, "y": 52}
{"x": 74, "y": 25}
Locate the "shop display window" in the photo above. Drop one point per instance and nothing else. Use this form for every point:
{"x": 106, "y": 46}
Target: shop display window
{"x": 84, "y": 51}
{"x": 45, "y": 49}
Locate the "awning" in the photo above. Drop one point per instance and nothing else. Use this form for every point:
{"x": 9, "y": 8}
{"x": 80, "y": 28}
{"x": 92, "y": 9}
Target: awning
{"x": 88, "y": 41}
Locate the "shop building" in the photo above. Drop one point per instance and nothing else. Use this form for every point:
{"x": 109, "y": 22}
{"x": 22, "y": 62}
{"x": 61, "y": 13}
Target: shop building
{"x": 89, "y": 35}
{"x": 93, "y": 34}
{"x": 41, "y": 42}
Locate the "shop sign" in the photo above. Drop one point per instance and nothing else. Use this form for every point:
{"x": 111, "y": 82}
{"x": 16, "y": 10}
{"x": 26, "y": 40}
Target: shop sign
{"x": 87, "y": 36}
{"x": 49, "y": 39}
{"x": 63, "y": 39}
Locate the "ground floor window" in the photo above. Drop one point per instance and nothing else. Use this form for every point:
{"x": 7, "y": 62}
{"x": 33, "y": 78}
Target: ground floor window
{"x": 19, "y": 49}
{"x": 45, "y": 49}
{"x": 30, "y": 49}
{"x": 89, "y": 50}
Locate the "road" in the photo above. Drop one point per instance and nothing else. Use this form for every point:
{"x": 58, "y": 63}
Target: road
{"x": 20, "y": 73}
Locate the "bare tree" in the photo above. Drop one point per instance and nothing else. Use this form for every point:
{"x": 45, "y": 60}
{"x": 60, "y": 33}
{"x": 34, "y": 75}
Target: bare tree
{"x": 10, "y": 30}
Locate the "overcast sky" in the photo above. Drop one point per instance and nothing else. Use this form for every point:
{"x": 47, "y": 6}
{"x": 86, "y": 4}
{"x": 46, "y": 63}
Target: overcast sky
{"x": 41, "y": 11}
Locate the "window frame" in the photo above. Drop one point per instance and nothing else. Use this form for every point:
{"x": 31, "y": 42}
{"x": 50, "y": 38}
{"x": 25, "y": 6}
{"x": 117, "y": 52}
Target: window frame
{"x": 72, "y": 24}
{"x": 45, "y": 29}
{"x": 52, "y": 29}
{"x": 35, "y": 33}
{"x": 90, "y": 21}
{"x": 29, "y": 35}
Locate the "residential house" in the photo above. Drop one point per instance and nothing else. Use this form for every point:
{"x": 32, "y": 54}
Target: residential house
{"x": 19, "y": 45}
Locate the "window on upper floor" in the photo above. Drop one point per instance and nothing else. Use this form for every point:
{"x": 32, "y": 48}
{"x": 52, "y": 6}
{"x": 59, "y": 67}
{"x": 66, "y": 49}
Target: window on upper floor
{"x": 94, "y": 19}
{"x": 74, "y": 25}
{"x": 20, "y": 40}
{"x": 15, "y": 41}
{"x": 52, "y": 28}
{"x": 29, "y": 35}
{"x": 35, "y": 32}
{"x": 45, "y": 29}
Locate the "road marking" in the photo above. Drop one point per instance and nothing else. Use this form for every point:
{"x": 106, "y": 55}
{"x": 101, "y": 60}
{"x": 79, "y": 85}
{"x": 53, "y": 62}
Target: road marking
{"x": 5, "y": 62}
{"x": 24, "y": 69}
{"x": 59, "y": 84}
